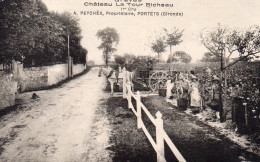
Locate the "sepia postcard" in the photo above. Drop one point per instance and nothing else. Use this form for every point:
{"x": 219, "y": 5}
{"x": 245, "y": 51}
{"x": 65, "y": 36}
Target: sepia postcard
{"x": 129, "y": 80}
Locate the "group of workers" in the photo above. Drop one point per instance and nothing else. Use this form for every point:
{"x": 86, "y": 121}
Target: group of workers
{"x": 203, "y": 91}
{"x": 190, "y": 92}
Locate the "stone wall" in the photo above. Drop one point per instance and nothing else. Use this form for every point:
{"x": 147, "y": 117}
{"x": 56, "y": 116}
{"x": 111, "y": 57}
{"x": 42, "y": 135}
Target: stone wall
{"x": 78, "y": 68}
{"x": 41, "y": 77}
{"x": 57, "y": 73}
{"x": 8, "y": 90}
{"x": 34, "y": 78}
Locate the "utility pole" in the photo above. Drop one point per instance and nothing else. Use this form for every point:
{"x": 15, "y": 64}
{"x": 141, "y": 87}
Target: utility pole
{"x": 69, "y": 60}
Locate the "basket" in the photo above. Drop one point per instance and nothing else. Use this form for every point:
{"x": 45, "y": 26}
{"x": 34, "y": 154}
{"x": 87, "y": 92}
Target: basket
{"x": 162, "y": 92}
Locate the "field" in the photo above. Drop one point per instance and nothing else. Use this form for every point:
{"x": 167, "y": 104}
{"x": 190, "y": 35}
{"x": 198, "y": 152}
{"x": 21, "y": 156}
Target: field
{"x": 244, "y": 74}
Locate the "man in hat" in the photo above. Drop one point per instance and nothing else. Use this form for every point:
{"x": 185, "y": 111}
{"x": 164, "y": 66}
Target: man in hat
{"x": 183, "y": 90}
{"x": 185, "y": 87}
{"x": 238, "y": 111}
{"x": 215, "y": 102}
{"x": 206, "y": 88}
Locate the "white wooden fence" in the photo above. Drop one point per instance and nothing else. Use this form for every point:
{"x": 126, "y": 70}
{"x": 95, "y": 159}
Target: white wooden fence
{"x": 161, "y": 135}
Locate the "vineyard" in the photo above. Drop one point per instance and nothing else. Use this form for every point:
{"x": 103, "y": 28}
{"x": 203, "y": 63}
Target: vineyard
{"x": 246, "y": 75}
{"x": 244, "y": 72}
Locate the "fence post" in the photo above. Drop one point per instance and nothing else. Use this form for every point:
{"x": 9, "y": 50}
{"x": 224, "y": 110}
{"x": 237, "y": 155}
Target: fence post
{"x": 129, "y": 95}
{"x": 124, "y": 83}
{"x": 14, "y": 69}
{"x": 138, "y": 109}
{"x": 132, "y": 86}
{"x": 159, "y": 138}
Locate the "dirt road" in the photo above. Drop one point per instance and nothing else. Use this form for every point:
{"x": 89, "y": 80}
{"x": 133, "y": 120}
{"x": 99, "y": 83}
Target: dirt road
{"x": 68, "y": 123}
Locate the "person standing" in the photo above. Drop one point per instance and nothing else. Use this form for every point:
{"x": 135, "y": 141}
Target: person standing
{"x": 206, "y": 88}
{"x": 186, "y": 87}
{"x": 183, "y": 90}
{"x": 238, "y": 110}
{"x": 195, "y": 97}
{"x": 169, "y": 85}
{"x": 215, "y": 102}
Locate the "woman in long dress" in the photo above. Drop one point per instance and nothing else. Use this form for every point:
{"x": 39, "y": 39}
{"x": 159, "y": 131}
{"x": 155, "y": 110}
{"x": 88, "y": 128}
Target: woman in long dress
{"x": 195, "y": 97}
{"x": 169, "y": 85}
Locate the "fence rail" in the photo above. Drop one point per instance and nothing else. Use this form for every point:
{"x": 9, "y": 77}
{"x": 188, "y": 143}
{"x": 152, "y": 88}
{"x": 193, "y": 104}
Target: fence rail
{"x": 161, "y": 135}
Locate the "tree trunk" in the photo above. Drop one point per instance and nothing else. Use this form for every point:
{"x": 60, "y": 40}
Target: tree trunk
{"x": 225, "y": 87}
{"x": 106, "y": 60}
{"x": 158, "y": 58}
{"x": 221, "y": 87}
{"x": 171, "y": 53}
{"x": 221, "y": 95}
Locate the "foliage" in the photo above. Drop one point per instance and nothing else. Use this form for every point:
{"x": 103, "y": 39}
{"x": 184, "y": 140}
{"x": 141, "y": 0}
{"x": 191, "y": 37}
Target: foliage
{"x": 179, "y": 56}
{"x": 110, "y": 39}
{"x": 173, "y": 37}
{"x": 159, "y": 47}
{"x": 131, "y": 62}
{"x": 245, "y": 42}
{"x": 223, "y": 42}
{"x": 120, "y": 60}
{"x": 210, "y": 57}
{"x": 29, "y": 32}
{"x": 71, "y": 27}
{"x": 215, "y": 40}
{"x": 143, "y": 63}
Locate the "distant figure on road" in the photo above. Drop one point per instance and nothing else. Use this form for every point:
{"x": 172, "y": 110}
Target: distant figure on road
{"x": 99, "y": 73}
{"x": 35, "y": 96}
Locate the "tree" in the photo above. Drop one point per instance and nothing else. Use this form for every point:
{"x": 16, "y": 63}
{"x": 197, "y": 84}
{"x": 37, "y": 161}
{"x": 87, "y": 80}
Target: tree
{"x": 179, "y": 56}
{"x": 210, "y": 57}
{"x": 131, "y": 62}
{"x": 119, "y": 60}
{"x": 82, "y": 56}
{"x": 158, "y": 46}
{"x": 216, "y": 42}
{"x": 245, "y": 42}
{"x": 25, "y": 31}
{"x": 223, "y": 42}
{"x": 173, "y": 38}
{"x": 29, "y": 33}
{"x": 143, "y": 62}
{"x": 110, "y": 39}
{"x": 71, "y": 28}
{"x": 127, "y": 60}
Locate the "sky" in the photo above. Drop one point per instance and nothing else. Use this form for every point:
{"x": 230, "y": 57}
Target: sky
{"x": 138, "y": 32}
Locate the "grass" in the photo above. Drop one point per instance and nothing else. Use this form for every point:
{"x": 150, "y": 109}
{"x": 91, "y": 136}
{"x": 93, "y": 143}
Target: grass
{"x": 130, "y": 144}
